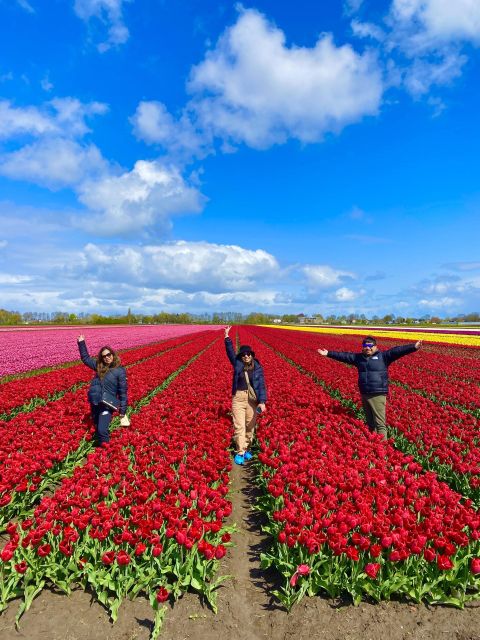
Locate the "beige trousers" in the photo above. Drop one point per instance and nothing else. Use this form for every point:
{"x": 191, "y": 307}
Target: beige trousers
{"x": 244, "y": 418}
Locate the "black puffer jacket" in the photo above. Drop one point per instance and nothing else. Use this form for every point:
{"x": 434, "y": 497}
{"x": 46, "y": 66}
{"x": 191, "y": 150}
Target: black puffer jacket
{"x": 372, "y": 370}
{"x": 257, "y": 379}
{"x": 112, "y": 390}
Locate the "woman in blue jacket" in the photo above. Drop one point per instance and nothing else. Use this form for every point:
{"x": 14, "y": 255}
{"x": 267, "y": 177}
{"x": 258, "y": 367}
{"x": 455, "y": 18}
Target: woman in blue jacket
{"x": 247, "y": 372}
{"x": 108, "y": 389}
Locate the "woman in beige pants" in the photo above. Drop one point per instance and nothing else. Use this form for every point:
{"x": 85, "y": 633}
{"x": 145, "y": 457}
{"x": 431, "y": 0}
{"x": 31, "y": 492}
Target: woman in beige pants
{"x": 248, "y": 396}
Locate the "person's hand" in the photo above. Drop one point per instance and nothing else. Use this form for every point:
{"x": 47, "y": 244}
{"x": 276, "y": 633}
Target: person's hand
{"x": 418, "y": 344}
{"x": 323, "y": 352}
{"x": 261, "y": 406}
{"x": 81, "y": 338}
{"x": 227, "y": 331}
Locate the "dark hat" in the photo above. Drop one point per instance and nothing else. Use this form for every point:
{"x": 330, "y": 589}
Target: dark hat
{"x": 245, "y": 349}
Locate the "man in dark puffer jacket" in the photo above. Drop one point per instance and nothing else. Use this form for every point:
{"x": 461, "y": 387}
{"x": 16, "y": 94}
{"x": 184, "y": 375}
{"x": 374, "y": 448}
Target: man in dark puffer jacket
{"x": 372, "y": 366}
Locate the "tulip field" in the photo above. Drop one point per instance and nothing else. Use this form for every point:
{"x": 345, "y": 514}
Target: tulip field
{"x": 344, "y": 513}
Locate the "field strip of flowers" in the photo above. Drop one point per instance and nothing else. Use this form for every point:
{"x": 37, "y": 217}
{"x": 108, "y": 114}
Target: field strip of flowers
{"x": 423, "y": 378}
{"x": 447, "y": 338}
{"x": 349, "y": 513}
{"x": 39, "y": 448}
{"x": 144, "y": 514}
{"x": 443, "y": 439}
{"x": 20, "y": 395}
{"x": 22, "y": 350}
{"x": 457, "y": 369}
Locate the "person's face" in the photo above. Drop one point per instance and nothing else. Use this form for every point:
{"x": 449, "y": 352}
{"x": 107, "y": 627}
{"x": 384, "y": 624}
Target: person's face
{"x": 247, "y": 357}
{"x": 368, "y": 348}
{"x": 107, "y": 356}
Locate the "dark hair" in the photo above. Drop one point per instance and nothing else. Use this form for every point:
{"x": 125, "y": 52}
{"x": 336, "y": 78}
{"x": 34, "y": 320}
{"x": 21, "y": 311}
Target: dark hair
{"x": 369, "y": 339}
{"x": 103, "y": 368}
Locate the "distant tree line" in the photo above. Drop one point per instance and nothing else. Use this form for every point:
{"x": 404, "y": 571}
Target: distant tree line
{"x": 163, "y": 317}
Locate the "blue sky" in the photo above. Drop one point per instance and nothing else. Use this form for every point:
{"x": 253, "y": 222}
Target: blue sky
{"x": 271, "y": 156}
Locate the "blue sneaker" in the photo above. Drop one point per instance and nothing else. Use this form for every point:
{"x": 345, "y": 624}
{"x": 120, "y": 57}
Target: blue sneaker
{"x": 239, "y": 458}
{"x": 247, "y": 456}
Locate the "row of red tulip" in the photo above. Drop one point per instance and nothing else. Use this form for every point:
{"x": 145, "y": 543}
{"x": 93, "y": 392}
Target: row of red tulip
{"x": 347, "y": 511}
{"x": 446, "y": 378}
{"x": 443, "y": 438}
{"x": 24, "y": 392}
{"x": 145, "y": 512}
{"x": 37, "y": 448}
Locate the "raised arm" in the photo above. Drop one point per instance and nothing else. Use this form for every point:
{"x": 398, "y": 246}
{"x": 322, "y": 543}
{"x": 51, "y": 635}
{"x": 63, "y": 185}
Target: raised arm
{"x": 229, "y": 346}
{"x": 84, "y": 355}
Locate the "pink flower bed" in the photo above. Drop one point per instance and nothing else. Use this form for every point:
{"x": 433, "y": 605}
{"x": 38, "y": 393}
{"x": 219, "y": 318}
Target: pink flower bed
{"x": 24, "y": 349}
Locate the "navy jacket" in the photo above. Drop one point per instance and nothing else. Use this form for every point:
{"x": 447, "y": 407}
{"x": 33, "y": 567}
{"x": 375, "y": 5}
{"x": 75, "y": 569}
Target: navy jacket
{"x": 257, "y": 379}
{"x": 372, "y": 370}
{"x": 112, "y": 390}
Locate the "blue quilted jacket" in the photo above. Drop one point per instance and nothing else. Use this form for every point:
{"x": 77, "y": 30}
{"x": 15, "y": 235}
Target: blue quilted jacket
{"x": 257, "y": 379}
{"x": 372, "y": 370}
{"x": 112, "y": 390}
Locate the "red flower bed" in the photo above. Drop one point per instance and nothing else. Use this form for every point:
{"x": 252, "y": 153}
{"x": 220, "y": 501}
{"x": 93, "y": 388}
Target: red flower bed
{"x": 343, "y": 501}
{"x": 442, "y": 437}
{"x": 24, "y": 391}
{"x": 36, "y": 447}
{"x": 146, "y": 512}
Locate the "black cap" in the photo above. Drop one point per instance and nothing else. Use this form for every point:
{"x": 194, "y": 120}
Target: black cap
{"x": 245, "y": 349}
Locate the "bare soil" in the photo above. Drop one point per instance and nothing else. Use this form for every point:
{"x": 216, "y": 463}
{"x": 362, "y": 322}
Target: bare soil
{"x": 245, "y": 609}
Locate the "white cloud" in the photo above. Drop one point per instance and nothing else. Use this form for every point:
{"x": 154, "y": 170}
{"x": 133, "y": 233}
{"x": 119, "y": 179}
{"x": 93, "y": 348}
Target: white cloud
{"x": 53, "y": 163}
{"x": 8, "y": 278}
{"x": 367, "y": 30}
{"x": 423, "y": 42}
{"x": 352, "y": 6}
{"x": 324, "y": 276}
{"x": 189, "y": 266}
{"x": 61, "y": 116}
{"x": 109, "y": 13}
{"x": 439, "y": 303}
{"x": 155, "y": 125}
{"x": 71, "y": 114}
{"x": 423, "y": 74}
{"x": 46, "y": 84}
{"x": 23, "y": 120}
{"x": 346, "y": 295}
{"x": 254, "y": 88}
{"x": 147, "y": 196}
{"x": 440, "y": 20}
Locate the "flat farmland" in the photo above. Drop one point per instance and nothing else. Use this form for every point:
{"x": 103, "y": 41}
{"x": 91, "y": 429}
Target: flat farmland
{"x": 330, "y": 531}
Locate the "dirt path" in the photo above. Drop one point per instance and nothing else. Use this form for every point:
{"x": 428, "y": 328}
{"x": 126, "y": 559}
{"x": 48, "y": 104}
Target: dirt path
{"x": 245, "y": 608}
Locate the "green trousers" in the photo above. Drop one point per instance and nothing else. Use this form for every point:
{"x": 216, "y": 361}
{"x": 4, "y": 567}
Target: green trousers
{"x": 374, "y": 407}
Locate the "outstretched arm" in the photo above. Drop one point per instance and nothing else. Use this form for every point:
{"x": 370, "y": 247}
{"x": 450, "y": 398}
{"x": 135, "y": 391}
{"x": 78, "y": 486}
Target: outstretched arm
{"x": 342, "y": 356}
{"x": 398, "y": 352}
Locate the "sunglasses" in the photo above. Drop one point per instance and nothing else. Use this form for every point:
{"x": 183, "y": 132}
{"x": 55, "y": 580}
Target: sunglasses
{"x": 368, "y": 345}
{"x": 106, "y": 355}
{"x": 248, "y": 354}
